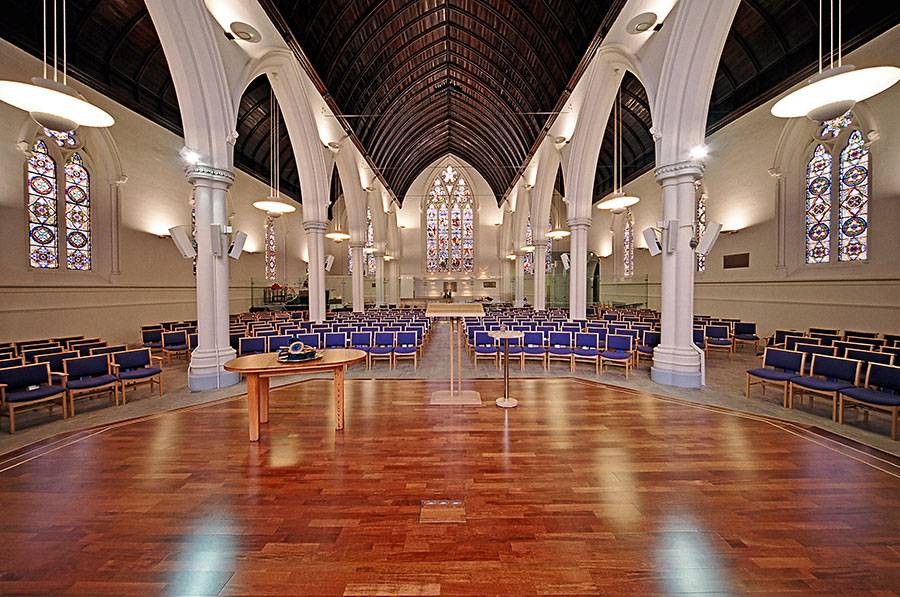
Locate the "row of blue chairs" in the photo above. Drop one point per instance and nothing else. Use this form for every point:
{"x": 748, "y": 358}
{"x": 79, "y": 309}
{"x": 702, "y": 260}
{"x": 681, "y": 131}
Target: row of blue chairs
{"x": 61, "y": 379}
{"x": 388, "y": 345}
{"x": 174, "y": 344}
{"x": 867, "y": 384}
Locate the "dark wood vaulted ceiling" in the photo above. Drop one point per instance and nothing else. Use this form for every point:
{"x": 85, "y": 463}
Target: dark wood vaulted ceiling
{"x": 431, "y": 77}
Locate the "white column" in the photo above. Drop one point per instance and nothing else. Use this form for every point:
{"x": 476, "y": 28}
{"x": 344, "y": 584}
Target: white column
{"x": 393, "y": 282}
{"x": 315, "y": 238}
{"x": 520, "y": 279}
{"x": 540, "y": 275}
{"x": 579, "y": 228}
{"x": 213, "y": 305}
{"x": 676, "y": 361}
{"x": 359, "y": 273}
{"x": 379, "y": 279}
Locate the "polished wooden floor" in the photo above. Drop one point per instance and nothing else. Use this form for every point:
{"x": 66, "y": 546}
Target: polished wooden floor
{"x": 582, "y": 490}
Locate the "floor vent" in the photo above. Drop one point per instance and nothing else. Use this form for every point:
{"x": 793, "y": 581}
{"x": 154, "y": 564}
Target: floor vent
{"x": 443, "y": 511}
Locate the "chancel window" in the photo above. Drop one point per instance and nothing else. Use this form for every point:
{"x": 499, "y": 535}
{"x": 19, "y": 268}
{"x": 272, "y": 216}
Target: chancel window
{"x": 450, "y": 224}
{"x": 837, "y": 194}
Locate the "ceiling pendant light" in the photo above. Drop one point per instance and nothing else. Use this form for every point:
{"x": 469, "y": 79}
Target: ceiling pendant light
{"x": 617, "y": 201}
{"x": 273, "y": 205}
{"x": 335, "y": 229}
{"x": 557, "y": 230}
{"x": 833, "y": 91}
{"x": 51, "y": 102}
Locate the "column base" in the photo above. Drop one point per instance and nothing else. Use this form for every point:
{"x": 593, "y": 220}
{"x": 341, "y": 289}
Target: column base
{"x": 676, "y": 366}
{"x": 206, "y": 373}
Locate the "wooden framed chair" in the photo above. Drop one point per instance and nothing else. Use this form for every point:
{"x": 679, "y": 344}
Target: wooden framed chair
{"x": 382, "y": 348}
{"x": 362, "y": 341}
{"x": 86, "y": 376}
{"x": 881, "y": 392}
{"x": 619, "y": 352}
{"x": 649, "y": 341}
{"x": 559, "y": 348}
{"x": 485, "y": 348}
{"x": 533, "y": 348}
{"x": 718, "y": 337}
{"x": 827, "y": 377}
{"x": 779, "y": 367}
{"x": 407, "y": 348}
{"x": 813, "y": 349}
{"x": 251, "y": 346}
{"x": 135, "y": 367}
{"x": 745, "y": 333}
{"x": 6, "y": 363}
{"x": 587, "y": 349}
{"x": 175, "y": 344}
{"x": 28, "y": 387}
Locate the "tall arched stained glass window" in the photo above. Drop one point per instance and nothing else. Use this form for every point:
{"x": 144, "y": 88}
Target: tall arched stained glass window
{"x": 854, "y": 200}
{"x": 450, "y": 224}
{"x": 370, "y": 243}
{"x": 818, "y": 206}
{"x": 528, "y": 258}
{"x": 628, "y": 245}
{"x": 43, "y": 226}
{"x": 78, "y": 214}
{"x": 700, "y": 218}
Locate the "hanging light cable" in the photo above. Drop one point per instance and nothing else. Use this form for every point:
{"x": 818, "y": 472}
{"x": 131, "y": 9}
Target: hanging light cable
{"x": 617, "y": 201}
{"x": 832, "y": 92}
{"x": 52, "y": 103}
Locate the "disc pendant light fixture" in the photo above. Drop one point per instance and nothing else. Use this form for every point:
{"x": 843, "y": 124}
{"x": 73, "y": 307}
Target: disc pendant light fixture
{"x": 51, "y": 102}
{"x": 833, "y": 91}
{"x": 617, "y": 201}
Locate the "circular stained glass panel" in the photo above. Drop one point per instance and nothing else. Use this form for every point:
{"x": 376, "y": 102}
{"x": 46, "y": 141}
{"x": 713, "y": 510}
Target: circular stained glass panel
{"x": 853, "y": 226}
{"x": 855, "y": 175}
{"x": 819, "y": 185}
{"x": 41, "y": 185}
{"x": 818, "y": 232}
{"x": 76, "y": 194}
{"x": 77, "y": 239}
{"x": 42, "y": 235}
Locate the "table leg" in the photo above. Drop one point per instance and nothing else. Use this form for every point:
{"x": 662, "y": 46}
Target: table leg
{"x": 263, "y": 399}
{"x": 253, "y": 405}
{"x": 339, "y": 398}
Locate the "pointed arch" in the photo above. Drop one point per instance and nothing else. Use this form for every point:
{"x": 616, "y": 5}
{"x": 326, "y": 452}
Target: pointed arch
{"x": 43, "y": 219}
{"x": 450, "y": 213}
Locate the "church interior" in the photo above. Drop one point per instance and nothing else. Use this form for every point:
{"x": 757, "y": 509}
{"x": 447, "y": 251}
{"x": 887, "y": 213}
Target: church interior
{"x": 450, "y": 297}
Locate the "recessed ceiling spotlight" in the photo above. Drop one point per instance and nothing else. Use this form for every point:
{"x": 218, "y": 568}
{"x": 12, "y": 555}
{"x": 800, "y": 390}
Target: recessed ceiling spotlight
{"x": 245, "y": 32}
{"x": 642, "y": 23}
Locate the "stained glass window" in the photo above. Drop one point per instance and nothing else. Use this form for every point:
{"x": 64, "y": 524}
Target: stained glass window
{"x": 271, "y": 249}
{"x": 818, "y": 206}
{"x": 66, "y": 139}
{"x": 628, "y": 245}
{"x": 450, "y": 224}
{"x": 78, "y": 215}
{"x": 854, "y": 200}
{"x": 832, "y": 128}
{"x": 43, "y": 226}
{"x": 701, "y": 223}
{"x": 528, "y": 259}
{"x": 549, "y": 255}
{"x": 370, "y": 243}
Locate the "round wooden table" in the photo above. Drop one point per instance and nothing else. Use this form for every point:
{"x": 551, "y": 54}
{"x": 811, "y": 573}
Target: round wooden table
{"x": 258, "y": 368}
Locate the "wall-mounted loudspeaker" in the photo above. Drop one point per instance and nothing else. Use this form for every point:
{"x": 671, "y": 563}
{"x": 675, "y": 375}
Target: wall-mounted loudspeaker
{"x": 237, "y": 244}
{"x": 181, "y": 236}
{"x": 710, "y": 235}
{"x": 652, "y": 240}
{"x": 671, "y": 236}
{"x": 565, "y": 261}
{"x": 329, "y": 261}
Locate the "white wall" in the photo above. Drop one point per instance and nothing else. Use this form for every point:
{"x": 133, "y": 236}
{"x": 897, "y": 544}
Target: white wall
{"x": 154, "y": 282}
{"x": 742, "y": 195}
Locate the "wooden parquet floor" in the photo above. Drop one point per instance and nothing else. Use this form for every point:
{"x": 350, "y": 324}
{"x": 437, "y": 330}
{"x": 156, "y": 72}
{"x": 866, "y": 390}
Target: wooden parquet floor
{"x": 582, "y": 490}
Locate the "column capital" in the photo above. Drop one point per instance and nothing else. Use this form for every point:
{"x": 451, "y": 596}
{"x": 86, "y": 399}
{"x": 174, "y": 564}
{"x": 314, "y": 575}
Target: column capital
{"x": 201, "y": 174}
{"x": 579, "y": 223}
{"x": 690, "y": 170}
{"x": 315, "y": 226}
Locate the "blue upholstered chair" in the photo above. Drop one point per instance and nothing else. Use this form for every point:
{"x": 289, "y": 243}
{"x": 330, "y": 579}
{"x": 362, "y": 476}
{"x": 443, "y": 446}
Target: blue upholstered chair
{"x": 335, "y": 340}
{"x": 699, "y": 338}
{"x": 870, "y": 356}
{"x": 881, "y": 392}
{"x": 57, "y": 367}
{"x": 152, "y": 339}
{"x": 175, "y": 344}
{"x": 407, "y": 348}
{"x": 858, "y": 334}
{"x": 587, "y": 349}
{"x": 485, "y": 348}
{"x": 874, "y": 343}
{"x": 778, "y": 337}
{"x": 382, "y": 348}
{"x": 107, "y": 349}
{"x": 135, "y": 367}
{"x": 12, "y": 362}
{"x": 251, "y": 346}
{"x": 86, "y": 376}
{"x": 31, "y": 354}
{"x": 310, "y": 339}
{"x": 649, "y": 341}
{"x": 892, "y": 339}
{"x": 843, "y": 346}
{"x": 362, "y": 341}
{"x": 533, "y": 348}
{"x": 276, "y": 343}
{"x": 827, "y": 377}
{"x": 745, "y": 333}
{"x": 791, "y": 342}
{"x": 779, "y": 367}
{"x": 619, "y": 352}
{"x": 826, "y": 339}
{"x": 810, "y": 350}
{"x": 28, "y": 387}
{"x": 193, "y": 341}
{"x": 559, "y": 348}
{"x": 828, "y": 331}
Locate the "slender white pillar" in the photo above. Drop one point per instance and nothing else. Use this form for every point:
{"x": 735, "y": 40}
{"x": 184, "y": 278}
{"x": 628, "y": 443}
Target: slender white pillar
{"x": 213, "y": 305}
{"x": 359, "y": 273}
{"x": 393, "y": 282}
{"x": 579, "y": 228}
{"x": 676, "y": 361}
{"x": 540, "y": 275}
{"x": 520, "y": 279}
{"x": 379, "y": 279}
{"x": 315, "y": 238}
